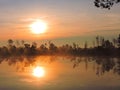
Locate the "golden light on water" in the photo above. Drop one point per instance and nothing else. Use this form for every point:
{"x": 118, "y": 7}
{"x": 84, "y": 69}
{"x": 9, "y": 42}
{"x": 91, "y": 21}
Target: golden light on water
{"x": 38, "y": 27}
{"x": 38, "y": 72}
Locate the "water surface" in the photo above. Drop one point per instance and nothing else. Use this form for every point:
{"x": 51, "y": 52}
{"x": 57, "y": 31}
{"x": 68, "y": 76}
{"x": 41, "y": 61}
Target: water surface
{"x": 61, "y": 73}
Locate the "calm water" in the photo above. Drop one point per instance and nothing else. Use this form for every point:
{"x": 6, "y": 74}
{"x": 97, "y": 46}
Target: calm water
{"x": 61, "y": 73}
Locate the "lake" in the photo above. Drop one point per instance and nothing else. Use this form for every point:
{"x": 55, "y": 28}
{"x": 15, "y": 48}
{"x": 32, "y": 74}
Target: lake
{"x": 60, "y": 73}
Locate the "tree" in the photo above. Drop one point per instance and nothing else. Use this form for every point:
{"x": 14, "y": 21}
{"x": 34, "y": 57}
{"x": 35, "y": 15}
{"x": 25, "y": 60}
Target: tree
{"x": 86, "y": 45}
{"x": 106, "y": 4}
{"x": 43, "y": 49}
{"x": 107, "y": 44}
{"x": 114, "y": 42}
{"x": 52, "y": 48}
{"x": 119, "y": 41}
{"x": 33, "y": 48}
{"x": 27, "y": 49}
{"x": 10, "y": 42}
{"x": 97, "y": 40}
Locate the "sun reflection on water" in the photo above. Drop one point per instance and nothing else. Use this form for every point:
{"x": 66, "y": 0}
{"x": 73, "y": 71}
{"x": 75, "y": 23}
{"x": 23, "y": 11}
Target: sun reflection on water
{"x": 38, "y": 72}
{"x": 48, "y": 72}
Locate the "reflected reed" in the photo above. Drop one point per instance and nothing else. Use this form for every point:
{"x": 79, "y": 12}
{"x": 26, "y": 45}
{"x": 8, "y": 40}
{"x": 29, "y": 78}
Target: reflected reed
{"x": 101, "y": 64}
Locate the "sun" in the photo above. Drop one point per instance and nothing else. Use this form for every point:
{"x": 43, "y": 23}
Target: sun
{"x": 38, "y": 72}
{"x": 38, "y": 27}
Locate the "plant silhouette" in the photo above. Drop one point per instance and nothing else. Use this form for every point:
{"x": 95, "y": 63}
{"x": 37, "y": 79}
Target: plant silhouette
{"x": 101, "y": 47}
{"x": 106, "y": 4}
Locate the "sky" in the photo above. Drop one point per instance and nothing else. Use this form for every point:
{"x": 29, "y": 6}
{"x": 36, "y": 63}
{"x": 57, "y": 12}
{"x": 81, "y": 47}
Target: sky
{"x": 65, "y": 19}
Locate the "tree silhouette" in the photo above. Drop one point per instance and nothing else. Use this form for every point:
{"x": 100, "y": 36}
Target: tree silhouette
{"x": 114, "y": 42}
{"x": 107, "y": 4}
{"x": 86, "y": 45}
{"x": 119, "y": 41}
{"x": 10, "y": 42}
{"x": 97, "y": 40}
{"x": 101, "y": 47}
{"x": 27, "y": 49}
{"x": 52, "y": 48}
{"x": 43, "y": 49}
{"x": 107, "y": 44}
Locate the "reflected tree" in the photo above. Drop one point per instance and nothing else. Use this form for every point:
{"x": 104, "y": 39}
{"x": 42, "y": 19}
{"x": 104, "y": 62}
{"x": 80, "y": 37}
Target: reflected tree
{"x": 117, "y": 67}
{"x": 101, "y": 65}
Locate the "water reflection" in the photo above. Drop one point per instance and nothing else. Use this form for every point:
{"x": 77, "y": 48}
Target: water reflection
{"x": 39, "y": 71}
{"x": 100, "y": 65}
{"x": 61, "y": 73}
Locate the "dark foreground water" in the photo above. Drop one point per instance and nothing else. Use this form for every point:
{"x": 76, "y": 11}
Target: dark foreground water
{"x": 61, "y": 73}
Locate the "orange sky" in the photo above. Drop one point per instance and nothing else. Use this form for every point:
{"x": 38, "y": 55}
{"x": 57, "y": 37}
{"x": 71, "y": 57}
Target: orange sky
{"x": 65, "y": 19}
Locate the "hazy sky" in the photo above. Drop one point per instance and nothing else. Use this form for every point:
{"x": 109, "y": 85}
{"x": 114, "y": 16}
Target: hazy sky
{"x": 65, "y": 18}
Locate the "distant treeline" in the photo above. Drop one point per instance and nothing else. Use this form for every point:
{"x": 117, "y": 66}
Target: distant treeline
{"x": 101, "y": 47}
